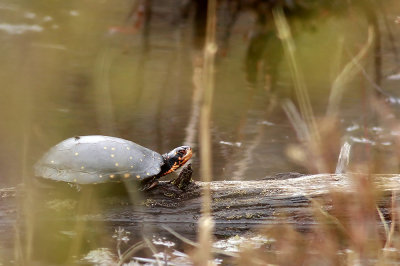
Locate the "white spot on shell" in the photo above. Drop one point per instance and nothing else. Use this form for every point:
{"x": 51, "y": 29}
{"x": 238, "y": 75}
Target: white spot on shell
{"x": 52, "y": 161}
{"x": 131, "y": 166}
{"x": 112, "y": 155}
{"x": 116, "y": 164}
{"x": 148, "y": 173}
{"x": 76, "y": 154}
{"x": 130, "y": 157}
{"x": 105, "y": 148}
{"x": 82, "y": 167}
{"x": 127, "y": 175}
{"x": 100, "y": 176}
{"x": 128, "y": 148}
{"x": 113, "y": 149}
{"x": 112, "y": 176}
{"x": 138, "y": 176}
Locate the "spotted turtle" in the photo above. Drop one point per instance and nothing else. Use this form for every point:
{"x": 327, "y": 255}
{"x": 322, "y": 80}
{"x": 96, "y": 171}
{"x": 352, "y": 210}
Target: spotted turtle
{"x": 99, "y": 159}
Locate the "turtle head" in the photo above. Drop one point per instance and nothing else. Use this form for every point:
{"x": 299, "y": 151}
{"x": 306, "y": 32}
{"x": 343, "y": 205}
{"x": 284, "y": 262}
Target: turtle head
{"x": 176, "y": 158}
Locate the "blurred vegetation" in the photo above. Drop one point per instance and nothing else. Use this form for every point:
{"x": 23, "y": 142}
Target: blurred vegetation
{"x": 128, "y": 69}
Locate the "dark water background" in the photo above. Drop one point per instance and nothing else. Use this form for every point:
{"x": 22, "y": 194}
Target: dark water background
{"x": 70, "y": 68}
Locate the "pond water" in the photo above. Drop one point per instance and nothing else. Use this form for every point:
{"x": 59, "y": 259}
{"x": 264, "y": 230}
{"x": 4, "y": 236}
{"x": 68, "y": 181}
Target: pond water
{"x": 71, "y": 68}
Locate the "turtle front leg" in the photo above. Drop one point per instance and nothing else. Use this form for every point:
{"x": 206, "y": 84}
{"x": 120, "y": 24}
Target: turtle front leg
{"x": 184, "y": 179}
{"x": 182, "y": 182}
{"x": 150, "y": 184}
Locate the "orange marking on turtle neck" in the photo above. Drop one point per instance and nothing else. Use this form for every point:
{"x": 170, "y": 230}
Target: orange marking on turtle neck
{"x": 173, "y": 168}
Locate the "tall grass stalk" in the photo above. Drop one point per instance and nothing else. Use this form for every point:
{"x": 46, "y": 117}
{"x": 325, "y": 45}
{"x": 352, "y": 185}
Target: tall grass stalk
{"x": 104, "y": 105}
{"x": 390, "y": 231}
{"x": 347, "y": 74}
{"x": 310, "y": 134}
{"x": 25, "y": 218}
{"x": 80, "y": 226}
{"x": 350, "y": 232}
{"x": 303, "y": 99}
{"x": 203, "y": 255}
{"x": 27, "y": 204}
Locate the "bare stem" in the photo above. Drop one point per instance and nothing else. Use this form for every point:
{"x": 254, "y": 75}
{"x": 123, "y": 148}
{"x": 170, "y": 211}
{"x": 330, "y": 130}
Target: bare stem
{"x": 203, "y": 256}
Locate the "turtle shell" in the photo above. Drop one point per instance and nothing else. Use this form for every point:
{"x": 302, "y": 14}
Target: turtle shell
{"x": 98, "y": 159}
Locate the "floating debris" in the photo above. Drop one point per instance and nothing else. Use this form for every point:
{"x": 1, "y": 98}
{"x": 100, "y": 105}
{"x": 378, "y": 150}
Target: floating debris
{"x": 233, "y": 244}
{"x": 236, "y": 144}
{"x": 19, "y": 29}
{"x": 353, "y": 127}
{"x": 393, "y": 100}
{"x": 47, "y": 18}
{"x": 101, "y": 256}
{"x": 267, "y": 123}
{"x": 377, "y": 129}
{"x": 30, "y": 15}
{"x": 395, "y": 133}
{"x": 74, "y": 13}
{"x": 394, "y": 77}
{"x": 163, "y": 242}
{"x": 387, "y": 143}
{"x": 362, "y": 140}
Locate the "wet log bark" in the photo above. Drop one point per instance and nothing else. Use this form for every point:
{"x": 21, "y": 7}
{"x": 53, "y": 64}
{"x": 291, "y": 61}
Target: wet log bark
{"x": 242, "y": 205}
{"x": 237, "y": 205}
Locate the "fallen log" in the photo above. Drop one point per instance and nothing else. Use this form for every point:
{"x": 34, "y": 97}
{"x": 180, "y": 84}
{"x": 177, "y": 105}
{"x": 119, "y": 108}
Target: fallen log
{"x": 241, "y": 205}
{"x": 237, "y": 205}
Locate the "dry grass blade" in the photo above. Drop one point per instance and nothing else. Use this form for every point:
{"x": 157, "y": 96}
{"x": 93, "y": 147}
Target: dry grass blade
{"x": 390, "y": 232}
{"x": 18, "y": 248}
{"x": 152, "y": 248}
{"x": 310, "y": 146}
{"x": 348, "y": 72}
{"x": 305, "y": 124}
{"x": 299, "y": 83}
{"x": 378, "y": 88}
{"x": 130, "y": 251}
{"x": 296, "y": 121}
{"x": 385, "y": 252}
{"x": 319, "y": 208}
{"x": 180, "y": 237}
{"x": 382, "y": 218}
{"x": 205, "y": 110}
{"x": 205, "y": 237}
{"x": 104, "y": 105}
{"x": 203, "y": 255}
{"x": 194, "y": 244}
